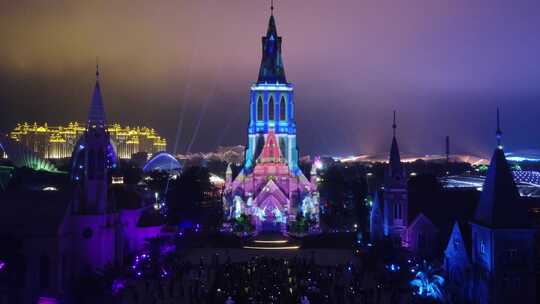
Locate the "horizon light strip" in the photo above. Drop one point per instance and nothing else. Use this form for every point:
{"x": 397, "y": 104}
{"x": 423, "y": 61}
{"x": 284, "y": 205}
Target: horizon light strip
{"x": 271, "y": 242}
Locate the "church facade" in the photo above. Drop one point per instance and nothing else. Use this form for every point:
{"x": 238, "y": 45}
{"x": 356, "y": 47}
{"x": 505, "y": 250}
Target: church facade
{"x": 270, "y": 189}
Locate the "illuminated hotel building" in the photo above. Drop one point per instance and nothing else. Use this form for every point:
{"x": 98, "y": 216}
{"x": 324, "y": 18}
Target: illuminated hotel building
{"x": 59, "y": 141}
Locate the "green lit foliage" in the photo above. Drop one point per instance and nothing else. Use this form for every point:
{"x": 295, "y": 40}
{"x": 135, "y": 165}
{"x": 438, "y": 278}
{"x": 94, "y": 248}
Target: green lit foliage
{"x": 301, "y": 225}
{"x": 242, "y": 224}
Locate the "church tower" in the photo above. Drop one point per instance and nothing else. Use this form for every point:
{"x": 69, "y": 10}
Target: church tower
{"x": 93, "y": 226}
{"x": 272, "y": 104}
{"x": 270, "y": 189}
{"x": 395, "y": 193}
{"x": 94, "y": 157}
{"x": 502, "y": 241}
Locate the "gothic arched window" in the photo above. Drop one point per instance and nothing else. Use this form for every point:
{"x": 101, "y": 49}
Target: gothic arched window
{"x": 271, "y": 108}
{"x": 259, "y": 109}
{"x": 282, "y": 109}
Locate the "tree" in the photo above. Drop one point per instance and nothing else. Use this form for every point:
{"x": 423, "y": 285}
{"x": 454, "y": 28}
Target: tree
{"x": 428, "y": 284}
{"x": 186, "y": 194}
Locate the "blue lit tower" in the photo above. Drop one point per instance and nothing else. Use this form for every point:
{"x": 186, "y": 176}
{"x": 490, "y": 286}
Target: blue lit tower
{"x": 395, "y": 193}
{"x": 272, "y": 104}
{"x": 502, "y": 240}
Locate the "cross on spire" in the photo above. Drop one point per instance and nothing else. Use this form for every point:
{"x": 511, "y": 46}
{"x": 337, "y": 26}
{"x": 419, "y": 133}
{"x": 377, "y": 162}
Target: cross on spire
{"x": 498, "y": 134}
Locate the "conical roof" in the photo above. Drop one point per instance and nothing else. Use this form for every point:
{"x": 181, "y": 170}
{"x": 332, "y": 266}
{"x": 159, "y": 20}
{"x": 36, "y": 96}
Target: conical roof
{"x": 395, "y": 169}
{"x": 96, "y": 113}
{"x": 271, "y": 70}
{"x": 500, "y": 204}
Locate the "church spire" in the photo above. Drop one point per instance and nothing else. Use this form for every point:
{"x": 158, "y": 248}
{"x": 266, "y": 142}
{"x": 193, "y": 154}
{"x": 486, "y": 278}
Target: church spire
{"x": 500, "y": 204}
{"x": 271, "y": 70}
{"x": 96, "y": 114}
{"x": 395, "y": 168}
{"x": 394, "y": 125}
{"x": 498, "y": 133}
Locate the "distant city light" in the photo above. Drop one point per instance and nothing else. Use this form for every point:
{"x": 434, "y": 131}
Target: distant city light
{"x": 117, "y": 180}
{"x": 318, "y": 164}
{"x": 216, "y": 180}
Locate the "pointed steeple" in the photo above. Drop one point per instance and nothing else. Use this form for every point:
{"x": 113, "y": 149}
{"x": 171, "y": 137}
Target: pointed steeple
{"x": 498, "y": 133}
{"x": 500, "y": 205}
{"x": 395, "y": 171}
{"x": 270, "y": 152}
{"x": 271, "y": 70}
{"x": 96, "y": 114}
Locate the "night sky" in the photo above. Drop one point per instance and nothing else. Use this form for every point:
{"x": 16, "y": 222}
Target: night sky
{"x": 443, "y": 65}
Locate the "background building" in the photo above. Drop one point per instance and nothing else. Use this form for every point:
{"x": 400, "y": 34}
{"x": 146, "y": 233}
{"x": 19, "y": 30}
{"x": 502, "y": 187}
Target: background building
{"x": 54, "y": 142}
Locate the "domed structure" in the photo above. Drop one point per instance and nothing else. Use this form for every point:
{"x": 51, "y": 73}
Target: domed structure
{"x": 162, "y": 161}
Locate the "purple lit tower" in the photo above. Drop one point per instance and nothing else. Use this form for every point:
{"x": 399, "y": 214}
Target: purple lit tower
{"x": 100, "y": 231}
{"x": 93, "y": 157}
{"x": 271, "y": 189}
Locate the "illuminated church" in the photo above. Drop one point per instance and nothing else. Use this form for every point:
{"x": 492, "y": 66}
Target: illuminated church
{"x": 271, "y": 189}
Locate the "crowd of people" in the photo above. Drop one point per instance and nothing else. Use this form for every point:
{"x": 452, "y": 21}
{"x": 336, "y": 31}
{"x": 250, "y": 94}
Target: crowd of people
{"x": 266, "y": 280}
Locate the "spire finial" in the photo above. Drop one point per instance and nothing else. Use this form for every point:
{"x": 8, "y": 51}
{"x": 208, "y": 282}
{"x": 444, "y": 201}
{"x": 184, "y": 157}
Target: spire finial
{"x": 97, "y": 68}
{"x": 272, "y": 7}
{"x": 498, "y": 134}
{"x": 394, "y": 124}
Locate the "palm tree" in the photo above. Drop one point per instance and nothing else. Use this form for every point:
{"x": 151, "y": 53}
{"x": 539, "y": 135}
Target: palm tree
{"x": 429, "y": 284}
